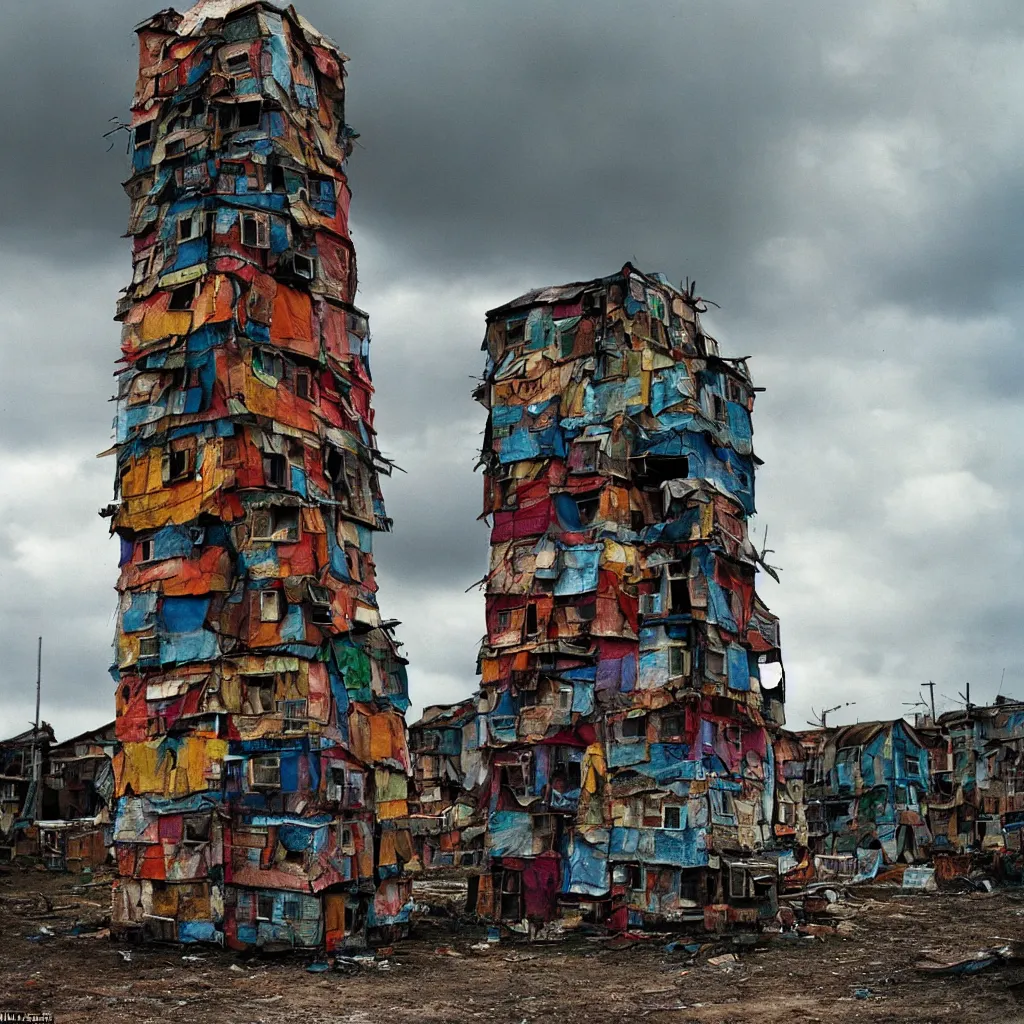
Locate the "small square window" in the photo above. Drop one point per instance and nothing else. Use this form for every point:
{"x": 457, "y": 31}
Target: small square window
{"x": 144, "y": 133}
{"x": 303, "y": 266}
{"x": 587, "y": 508}
{"x": 266, "y": 771}
{"x": 196, "y": 828}
{"x": 236, "y": 62}
{"x": 264, "y": 908}
{"x": 672, "y": 726}
{"x": 255, "y": 230}
{"x": 182, "y": 298}
{"x": 269, "y": 363}
{"x": 189, "y": 226}
{"x": 295, "y": 715}
{"x": 634, "y": 728}
{"x": 249, "y": 114}
{"x": 149, "y": 647}
{"x": 270, "y": 606}
{"x": 719, "y": 408}
{"x": 181, "y": 464}
{"x": 303, "y": 385}
{"x": 515, "y": 333}
{"x": 146, "y": 551}
{"x": 275, "y": 470}
{"x": 503, "y": 621}
{"x": 672, "y": 817}
{"x": 678, "y": 662}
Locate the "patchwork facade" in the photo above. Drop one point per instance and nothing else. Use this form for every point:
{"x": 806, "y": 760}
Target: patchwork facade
{"x": 978, "y": 795}
{"x": 263, "y": 766}
{"x": 626, "y": 733}
{"x": 867, "y": 788}
{"x": 443, "y": 811}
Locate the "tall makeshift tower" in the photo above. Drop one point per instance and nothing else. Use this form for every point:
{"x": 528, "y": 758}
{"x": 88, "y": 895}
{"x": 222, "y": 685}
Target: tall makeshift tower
{"x": 260, "y": 695}
{"x": 627, "y": 734}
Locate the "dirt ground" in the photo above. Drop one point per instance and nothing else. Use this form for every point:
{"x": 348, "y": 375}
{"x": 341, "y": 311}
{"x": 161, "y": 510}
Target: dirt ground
{"x": 436, "y": 976}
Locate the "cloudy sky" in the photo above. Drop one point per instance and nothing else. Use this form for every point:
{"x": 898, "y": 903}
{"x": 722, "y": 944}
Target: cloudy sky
{"x": 843, "y": 179}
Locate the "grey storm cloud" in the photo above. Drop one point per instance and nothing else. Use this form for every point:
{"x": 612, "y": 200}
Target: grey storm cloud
{"x": 842, "y": 179}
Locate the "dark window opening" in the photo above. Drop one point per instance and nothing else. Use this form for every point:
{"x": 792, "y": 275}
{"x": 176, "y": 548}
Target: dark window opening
{"x": 678, "y": 662}
{"x": 719, "y": 408}
{"x": 277, "y": 182}
{"x": 146, "y": 551}
{"x": 587, "y": 508}
{"x": 503, "y": 621}
{"x": 181, "y": 464}
{"x": 672, "y": 726}
{"x": 275, "y": 470}
{"x": 659, "y": 468}
{"x": 531, "y": 620}
{"x": 679, "y": 596}
{"x": 515, "y": 333}
{"x": 303, "y": 267}
{"x": 635, "y": 877}
{"x": 690, "y": 887}
{"x": 672, "y": 817}
{"x": 303, "y": 385}
{"x": 197, "y": 828}
{"x": 269, "y": 363}
{"x": 334, "y": 464}
{"x": 509, "y": 885}
{"x": 569, "y": 769}
{"x": 182, "y": 298}
{"x": 320, "y": 599}
{"x": 237, "y": 62}
{"x": 249, "y": 114}
{"x": 634, "y": 728}
{"x": 264, "y": 908}
{"x": 144, "y": 133}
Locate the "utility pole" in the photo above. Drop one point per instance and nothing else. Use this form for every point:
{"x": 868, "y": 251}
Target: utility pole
{"x": 931, "y": 693}
{"x": 37, "y": 754}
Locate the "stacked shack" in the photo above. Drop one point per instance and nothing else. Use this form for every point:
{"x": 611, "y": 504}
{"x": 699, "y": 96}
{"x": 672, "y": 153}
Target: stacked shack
{"x": 626, "y": 730}
{"x": 446, "y": 763}
{"x": 866, "y": 788}
{"x": 260, "y": 695}
{"x": 978, "y": 802}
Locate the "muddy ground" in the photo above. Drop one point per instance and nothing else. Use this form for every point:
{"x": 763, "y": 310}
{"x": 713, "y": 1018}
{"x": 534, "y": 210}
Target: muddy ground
{"x": 436, "y": 976}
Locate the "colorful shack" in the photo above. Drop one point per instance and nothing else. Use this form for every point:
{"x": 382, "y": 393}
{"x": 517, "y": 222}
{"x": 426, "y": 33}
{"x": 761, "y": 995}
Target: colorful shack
{"x": 866, "y": 788}
{"x": 442, "y": 811}
{"x": 263, "y": 767}
{"x": 631, "y": 676}
{"x": 978, "y": 804}
{"x": 23, "y": 799}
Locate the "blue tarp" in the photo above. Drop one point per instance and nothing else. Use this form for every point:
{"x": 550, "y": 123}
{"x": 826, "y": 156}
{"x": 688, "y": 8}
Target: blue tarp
{"x": 511, "y": 834}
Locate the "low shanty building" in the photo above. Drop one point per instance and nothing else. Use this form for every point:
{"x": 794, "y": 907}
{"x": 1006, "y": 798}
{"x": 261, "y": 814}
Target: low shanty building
{"x": 978, "y": 803}
{"x": 80, "y": 774}
{"x": 21, "y": 799}
{"x": 867, "y": 789}
{"x": 442, "y": 812}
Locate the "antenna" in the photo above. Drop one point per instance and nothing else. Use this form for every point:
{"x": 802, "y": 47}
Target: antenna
{"x": 822, "y": 716}
{"x": 37, "y": 754}
{"x": 772, "y": 570}
{"x": 966, "y": 697}
{"x": 931, "y": 691}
